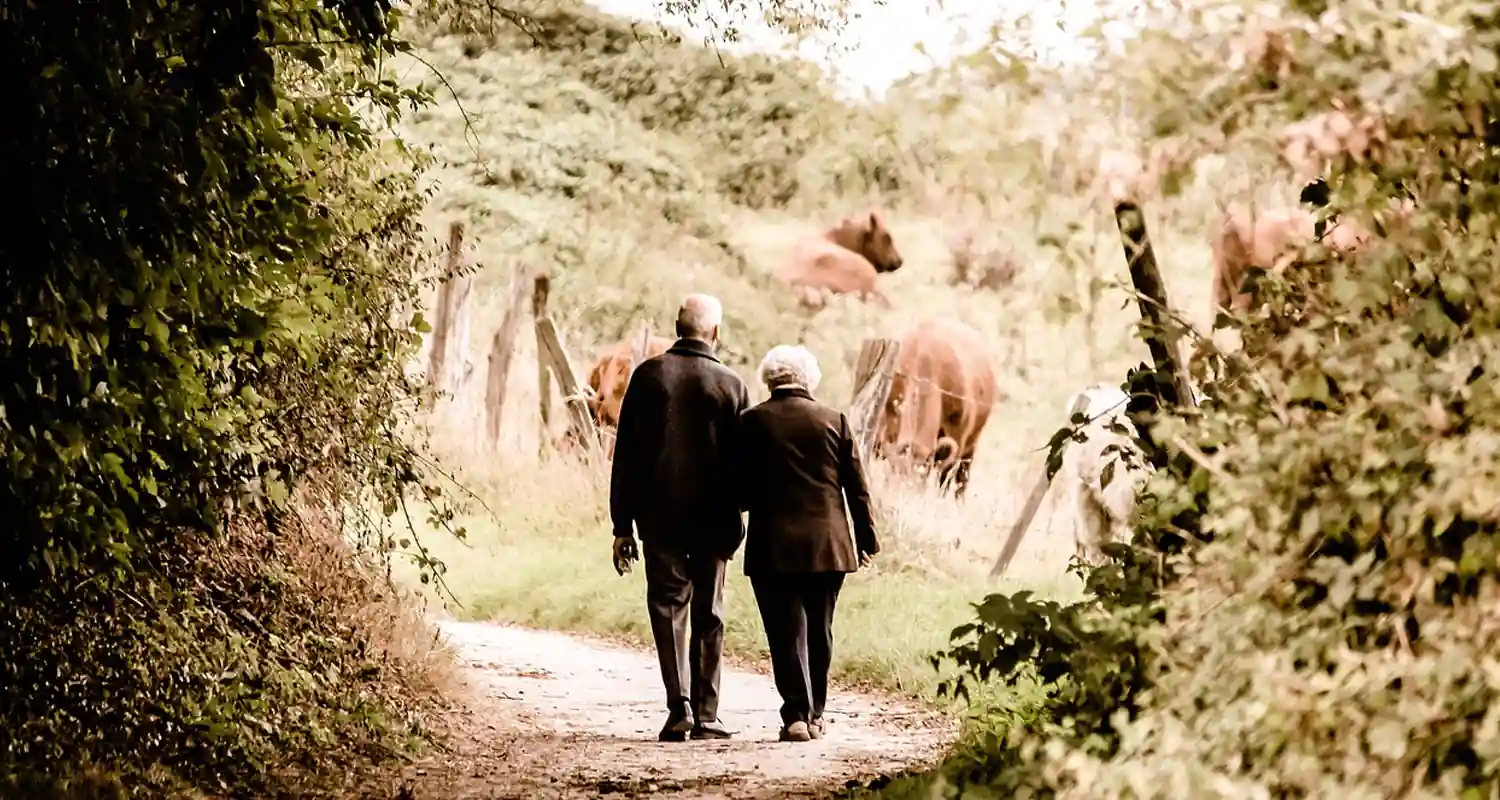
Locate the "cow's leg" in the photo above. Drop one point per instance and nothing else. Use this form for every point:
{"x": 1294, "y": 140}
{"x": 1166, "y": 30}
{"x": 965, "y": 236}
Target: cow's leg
{"x": 1074, "y": 504}
{"x": 952, "y": 476}
{"x": 1090, "y": 523}
{"x": 876, "y": 296}
{"x": 1067, "y": 475}
{"x": 1117, "y": 503}
{"x": 961, "y": 475}
{"x": 810, "y": 297}
{"x": 944, "y": 475}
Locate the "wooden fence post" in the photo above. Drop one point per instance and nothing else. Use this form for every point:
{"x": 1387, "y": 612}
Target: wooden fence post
{"x": 873, "y": 371}
{"x": 503, "y": 349}
{"x": 447, "y": 362}
{"x": 1161, "y": 340}
{"x": 542, "y": 286}
{"x": 556, "y": 356}
{"x": 642, "y": 346}
{"x": 1033, "y": 502}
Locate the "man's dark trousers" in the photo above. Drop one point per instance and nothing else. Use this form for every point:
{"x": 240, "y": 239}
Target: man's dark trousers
{"x": 797, "y": 612}
{"x": 687, "y": 590}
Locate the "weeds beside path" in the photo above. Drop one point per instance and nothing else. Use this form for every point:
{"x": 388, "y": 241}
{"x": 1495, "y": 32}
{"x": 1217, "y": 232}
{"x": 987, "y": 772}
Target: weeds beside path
{"x": 547, "y": 715}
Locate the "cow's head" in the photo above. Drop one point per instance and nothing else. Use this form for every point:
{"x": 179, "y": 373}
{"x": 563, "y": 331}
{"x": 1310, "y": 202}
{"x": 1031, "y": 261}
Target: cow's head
{"x": 606, "y": 389}
{"x": 595, "y": 407}
{"x": 867, "y": 235}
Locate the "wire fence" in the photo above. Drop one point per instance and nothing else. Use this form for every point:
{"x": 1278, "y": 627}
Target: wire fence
{"x": 587, "y": 392}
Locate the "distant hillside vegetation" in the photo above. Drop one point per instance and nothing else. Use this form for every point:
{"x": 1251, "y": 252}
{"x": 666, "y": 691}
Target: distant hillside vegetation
{"x": 624, "y": 161}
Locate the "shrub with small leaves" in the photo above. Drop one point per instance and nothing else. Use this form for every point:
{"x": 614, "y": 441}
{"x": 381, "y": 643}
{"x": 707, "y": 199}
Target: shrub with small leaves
{"x": 1309, "y": 605}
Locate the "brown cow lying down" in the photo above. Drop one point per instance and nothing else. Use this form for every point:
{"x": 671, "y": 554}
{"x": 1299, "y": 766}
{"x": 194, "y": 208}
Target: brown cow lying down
{"x": 844, "y": 259}
{"x": 607, "y": 381}
{"x": 1264, "y": 239}
{"x": 940, "y": 400}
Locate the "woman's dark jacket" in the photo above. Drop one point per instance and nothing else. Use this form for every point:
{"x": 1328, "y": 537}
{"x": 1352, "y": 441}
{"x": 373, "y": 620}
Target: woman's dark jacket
{"x": 798, "y": 465}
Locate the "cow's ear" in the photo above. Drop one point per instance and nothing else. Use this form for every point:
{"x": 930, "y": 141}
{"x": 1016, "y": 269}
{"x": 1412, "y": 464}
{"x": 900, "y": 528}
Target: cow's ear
{"x": 875, "y": 220}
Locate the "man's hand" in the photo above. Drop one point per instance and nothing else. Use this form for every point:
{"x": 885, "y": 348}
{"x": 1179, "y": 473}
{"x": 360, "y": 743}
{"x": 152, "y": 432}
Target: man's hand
{"x": 625, "y": 554}
{"x": 865, "y": 559}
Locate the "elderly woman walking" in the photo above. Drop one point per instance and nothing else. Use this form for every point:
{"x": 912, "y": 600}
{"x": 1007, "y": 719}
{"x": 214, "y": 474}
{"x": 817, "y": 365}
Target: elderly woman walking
{"x": 799, "y": 466}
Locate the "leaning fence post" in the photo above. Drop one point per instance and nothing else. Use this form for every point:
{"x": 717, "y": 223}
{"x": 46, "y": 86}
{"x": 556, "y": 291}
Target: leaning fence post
{"x": 1033, "y": 501}
{"x": 556, "y": 356}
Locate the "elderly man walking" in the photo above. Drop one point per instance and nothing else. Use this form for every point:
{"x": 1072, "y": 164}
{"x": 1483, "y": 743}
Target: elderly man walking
{"x": 674, "y": 479}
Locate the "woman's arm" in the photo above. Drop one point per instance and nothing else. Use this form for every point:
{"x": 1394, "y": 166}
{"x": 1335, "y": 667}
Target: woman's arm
{"x": 856, "y": 491}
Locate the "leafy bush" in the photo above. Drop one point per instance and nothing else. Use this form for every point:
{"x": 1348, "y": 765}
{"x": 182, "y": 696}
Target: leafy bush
{"x": 228, "y": 660}
{"x": 1308, "y": 605}
{"x": 202, "y": 310}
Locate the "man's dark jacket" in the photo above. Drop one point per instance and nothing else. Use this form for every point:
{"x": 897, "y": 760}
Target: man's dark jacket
{"x": 799, "y": 463}
{"x": 673, "y": 473}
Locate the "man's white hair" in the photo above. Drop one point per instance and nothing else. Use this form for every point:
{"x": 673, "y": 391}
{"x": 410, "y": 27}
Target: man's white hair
{"x": 790, "y": 365}
{"x": 699, "y": 314}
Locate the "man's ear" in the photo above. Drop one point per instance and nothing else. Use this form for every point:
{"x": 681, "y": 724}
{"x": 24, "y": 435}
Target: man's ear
{"x": 715, "y": 339}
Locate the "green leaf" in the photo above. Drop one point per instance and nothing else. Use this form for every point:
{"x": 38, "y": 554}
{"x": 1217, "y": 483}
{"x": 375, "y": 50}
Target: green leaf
{"x": 311, "y": 55}
{"x": 1308, "y": 385}
{"x": 276, "y": 491}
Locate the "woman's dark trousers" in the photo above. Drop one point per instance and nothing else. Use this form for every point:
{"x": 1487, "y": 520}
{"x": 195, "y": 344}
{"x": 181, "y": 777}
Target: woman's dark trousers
{"x": 797, "y": 612}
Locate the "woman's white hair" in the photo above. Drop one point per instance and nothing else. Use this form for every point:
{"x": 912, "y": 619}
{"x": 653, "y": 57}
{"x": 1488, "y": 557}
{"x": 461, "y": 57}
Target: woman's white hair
{"x": 790, "y": 365}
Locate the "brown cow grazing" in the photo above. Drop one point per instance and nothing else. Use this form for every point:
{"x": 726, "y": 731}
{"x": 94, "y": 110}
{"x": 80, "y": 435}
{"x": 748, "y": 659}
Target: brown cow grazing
{"x": 940, "y": 400}
{"x": 608, "y": 379}
{"x": 1265, "y": 239}
{"x": 844, "y": 259}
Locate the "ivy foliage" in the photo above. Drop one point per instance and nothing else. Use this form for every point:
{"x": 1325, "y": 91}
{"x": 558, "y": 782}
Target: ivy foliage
{"x": 207, "y": 279}
{"x": 1308, "y": 607}
{"x": 191, "y": 266}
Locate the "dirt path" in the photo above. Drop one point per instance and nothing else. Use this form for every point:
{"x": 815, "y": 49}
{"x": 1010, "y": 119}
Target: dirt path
{"x": 553, "y": 716}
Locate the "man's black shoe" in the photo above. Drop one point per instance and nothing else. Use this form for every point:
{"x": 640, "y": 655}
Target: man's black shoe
{"x": 679, "y": 723}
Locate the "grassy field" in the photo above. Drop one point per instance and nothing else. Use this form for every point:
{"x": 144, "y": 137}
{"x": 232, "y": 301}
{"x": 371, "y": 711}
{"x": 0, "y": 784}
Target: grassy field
{"x": 633, "y": 170}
